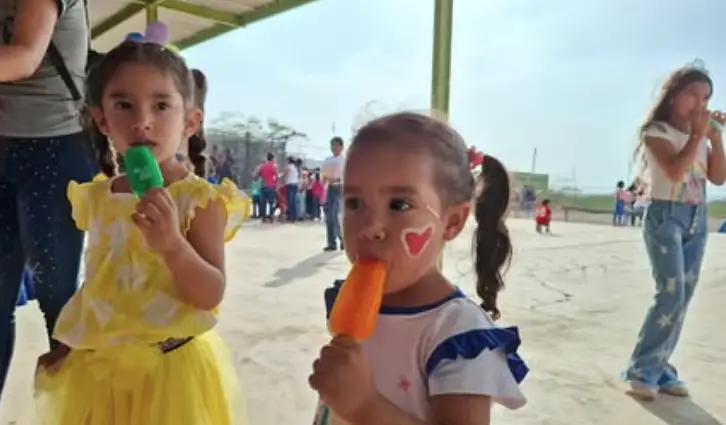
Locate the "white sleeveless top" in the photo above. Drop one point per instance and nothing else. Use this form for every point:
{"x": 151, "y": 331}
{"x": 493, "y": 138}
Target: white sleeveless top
{"x": 691, "y": 189}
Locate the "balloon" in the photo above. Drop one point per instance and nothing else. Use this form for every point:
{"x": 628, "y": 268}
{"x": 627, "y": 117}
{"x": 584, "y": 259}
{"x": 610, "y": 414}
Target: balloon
{"x": 157, "y": 32}
{"x": 135, "y": 36}
{"x": 173, "y": 48}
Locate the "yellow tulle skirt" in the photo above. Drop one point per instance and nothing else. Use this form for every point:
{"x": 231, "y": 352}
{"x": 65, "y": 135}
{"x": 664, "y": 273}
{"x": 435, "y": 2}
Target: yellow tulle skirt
{"x": 195, "y": 384}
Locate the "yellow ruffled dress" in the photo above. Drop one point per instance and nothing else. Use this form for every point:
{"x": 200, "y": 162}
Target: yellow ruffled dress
{"x": 132, "y": 362}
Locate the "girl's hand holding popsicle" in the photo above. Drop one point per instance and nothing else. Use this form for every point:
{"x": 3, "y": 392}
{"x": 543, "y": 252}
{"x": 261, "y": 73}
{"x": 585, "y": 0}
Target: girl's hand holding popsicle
{"x": 342, "y": 375}
{"x": 718, "y": 120}
{"x": 157, "y": 217}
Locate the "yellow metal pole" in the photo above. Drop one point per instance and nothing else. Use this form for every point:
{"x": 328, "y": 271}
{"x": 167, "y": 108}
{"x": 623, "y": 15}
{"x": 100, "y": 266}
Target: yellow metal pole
{"x": 441, "y": 67}
{"x": 152, "y": 13}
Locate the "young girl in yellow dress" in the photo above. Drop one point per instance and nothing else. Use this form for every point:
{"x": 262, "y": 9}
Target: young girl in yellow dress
{"x": 137, "y": 345}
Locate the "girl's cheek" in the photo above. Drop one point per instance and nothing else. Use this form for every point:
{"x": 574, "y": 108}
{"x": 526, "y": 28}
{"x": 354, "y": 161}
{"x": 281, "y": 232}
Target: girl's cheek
{"x": 416, "y": 240}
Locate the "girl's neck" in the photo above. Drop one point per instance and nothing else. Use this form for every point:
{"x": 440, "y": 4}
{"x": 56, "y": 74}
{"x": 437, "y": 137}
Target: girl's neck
{"x": 431, "y": 288}
{"x": 172, "y": 170}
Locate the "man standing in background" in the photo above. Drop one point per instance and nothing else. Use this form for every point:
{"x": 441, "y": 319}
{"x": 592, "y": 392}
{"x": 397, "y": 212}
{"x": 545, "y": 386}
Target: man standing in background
{"x": 332, "y": 171}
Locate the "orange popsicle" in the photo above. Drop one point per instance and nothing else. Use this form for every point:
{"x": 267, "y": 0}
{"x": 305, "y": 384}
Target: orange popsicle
{"x": 357, "y": 305}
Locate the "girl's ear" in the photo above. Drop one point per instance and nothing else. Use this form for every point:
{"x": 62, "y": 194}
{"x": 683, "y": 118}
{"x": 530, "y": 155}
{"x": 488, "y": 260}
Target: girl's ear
{"x": 100, "y": 120}
{"x": 455, "y": 220}
{"x": 193, "y": 122}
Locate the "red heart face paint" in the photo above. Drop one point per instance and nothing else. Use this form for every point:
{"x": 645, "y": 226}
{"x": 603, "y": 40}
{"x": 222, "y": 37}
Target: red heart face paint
{"x": 415, "y": 240}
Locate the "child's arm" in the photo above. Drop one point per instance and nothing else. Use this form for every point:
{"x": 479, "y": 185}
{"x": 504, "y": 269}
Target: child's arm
{"x": 197, "y": 264}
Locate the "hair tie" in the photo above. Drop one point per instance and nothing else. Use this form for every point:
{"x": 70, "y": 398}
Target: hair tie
{"x": 476, "y": 158}
{"x": 157, "y": 33}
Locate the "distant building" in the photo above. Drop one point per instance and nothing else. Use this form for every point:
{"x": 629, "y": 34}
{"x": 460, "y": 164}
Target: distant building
{"x": 540, "y": 182}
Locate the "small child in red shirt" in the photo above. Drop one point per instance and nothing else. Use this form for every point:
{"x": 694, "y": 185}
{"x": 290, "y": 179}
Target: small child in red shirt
{"x": 543, "y": 216}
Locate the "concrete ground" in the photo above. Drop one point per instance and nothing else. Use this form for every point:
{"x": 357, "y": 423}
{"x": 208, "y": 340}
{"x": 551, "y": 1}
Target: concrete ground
{"x": 578, "y": 296}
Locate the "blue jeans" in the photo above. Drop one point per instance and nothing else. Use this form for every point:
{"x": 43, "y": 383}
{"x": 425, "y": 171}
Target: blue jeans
{"x": 301, "y": 199}
{"x": 267, "y": 201}
{"x": 36, "y": 226}
{"x": 315, "y": 207}
{"x": 256, "y": 206}
{"x": 675, "y": 238}
{"x": 332, "y": 215}
{"x": 291, "y": 201}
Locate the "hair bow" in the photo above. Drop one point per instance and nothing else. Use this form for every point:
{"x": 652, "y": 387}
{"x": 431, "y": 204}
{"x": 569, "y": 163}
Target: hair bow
{"x": 476, "y": 158}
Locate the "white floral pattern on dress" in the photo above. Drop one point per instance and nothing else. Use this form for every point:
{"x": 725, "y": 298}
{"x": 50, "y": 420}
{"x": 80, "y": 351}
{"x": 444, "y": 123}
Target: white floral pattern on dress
{"x": 128, "y": 295}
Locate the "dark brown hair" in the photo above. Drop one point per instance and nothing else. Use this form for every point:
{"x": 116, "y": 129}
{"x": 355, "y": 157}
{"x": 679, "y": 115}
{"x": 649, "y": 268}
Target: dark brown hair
{"x": 198, "y": 142}
{"x": 661, "y": 109}
{"x": 492, "y": 248}
{"x": 167, "y": 61}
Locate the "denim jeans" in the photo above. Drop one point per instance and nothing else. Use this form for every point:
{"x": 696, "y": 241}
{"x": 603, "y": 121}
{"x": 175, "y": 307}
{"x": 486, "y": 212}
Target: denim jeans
{"x": 332, "y": 215}
{"x": 267, "y": 201}
{"x": 256, "y": 206}
{"x": 36, "y": 226}
{"x": 675, "y": 238}
{"x": 291, "y": 201}
{"x": 315, "y": 207}
{"x": 301, "y": 200}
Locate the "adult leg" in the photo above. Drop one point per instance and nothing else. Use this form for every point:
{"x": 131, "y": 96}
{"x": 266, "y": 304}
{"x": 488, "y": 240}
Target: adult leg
{"x": 301, "y": 198}
{"x": 267, "y": 202}
{"x": 12, "y": 261}
{"x": 316, "y": 207}
{"x": 256, "y": 206}
{"x": 309, "y": 204}
{"x": 664, "y": 244}
{"x": 50, "y": 239}
{"x": 291, "y": 200}
{"x": 331, "y": 202}
{"x": 337, "y": 233}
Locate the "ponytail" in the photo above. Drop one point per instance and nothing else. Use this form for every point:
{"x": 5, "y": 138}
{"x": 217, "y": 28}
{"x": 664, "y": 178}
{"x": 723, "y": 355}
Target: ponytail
{"x": 198, "y": 142}
{"x": 106, "y": 157}
{"x": 492, "y": 246}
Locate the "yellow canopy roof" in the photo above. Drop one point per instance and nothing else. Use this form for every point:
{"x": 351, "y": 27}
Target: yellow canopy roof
{"x": 189, "y": 21}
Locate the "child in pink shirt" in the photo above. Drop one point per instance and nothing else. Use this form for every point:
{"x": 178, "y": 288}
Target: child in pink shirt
{"x": 319, "y": 193}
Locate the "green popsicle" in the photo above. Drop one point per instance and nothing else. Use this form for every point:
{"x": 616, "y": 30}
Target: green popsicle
{"x": 716, "y": 125}
{"x": 142, "y": 169}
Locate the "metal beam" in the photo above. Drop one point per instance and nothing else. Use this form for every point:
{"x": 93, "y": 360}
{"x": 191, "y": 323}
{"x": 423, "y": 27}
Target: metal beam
{"x": 441, "y": 69}
{"x": 152, "y": 14}
{"x": 119, "y": 17}
{"x": 244, "y": 19}
{"x": 221, "y": 17}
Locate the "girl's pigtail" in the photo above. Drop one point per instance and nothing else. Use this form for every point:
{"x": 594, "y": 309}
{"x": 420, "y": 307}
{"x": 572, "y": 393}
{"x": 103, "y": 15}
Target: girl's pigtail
{"x": 198, "y": 142}
{"x": 105, "y": 154}
{"x": 492, "y": 245}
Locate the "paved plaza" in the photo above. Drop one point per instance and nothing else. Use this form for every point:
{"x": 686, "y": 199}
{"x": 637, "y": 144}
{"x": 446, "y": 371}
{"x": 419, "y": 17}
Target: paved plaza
{"x": 578, "y": 296}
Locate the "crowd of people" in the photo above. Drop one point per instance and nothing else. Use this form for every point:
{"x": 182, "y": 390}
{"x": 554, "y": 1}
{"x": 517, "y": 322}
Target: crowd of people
{"x": 297, "y": 193}
{"x": 630, "y": 203}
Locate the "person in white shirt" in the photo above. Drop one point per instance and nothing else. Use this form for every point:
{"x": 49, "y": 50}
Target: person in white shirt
{"x": 291, "y": 179}
{"x": 332, "y": 172}
{"x": 435, "y": 356}
{"x": 682, "y": 149}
